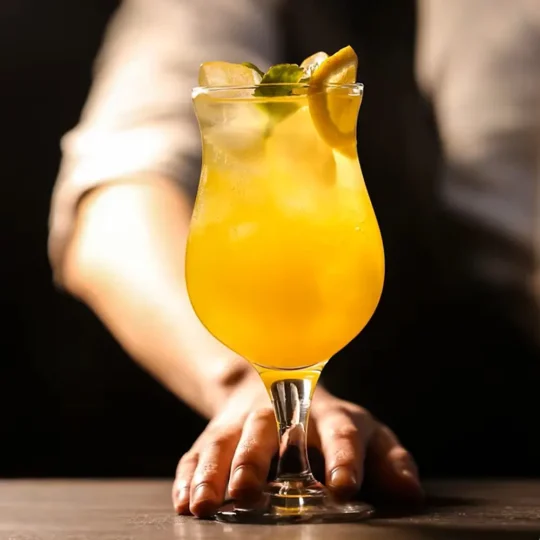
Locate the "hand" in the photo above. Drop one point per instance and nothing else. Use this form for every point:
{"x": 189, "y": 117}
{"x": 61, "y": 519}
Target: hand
{"x": 242, "y": 439}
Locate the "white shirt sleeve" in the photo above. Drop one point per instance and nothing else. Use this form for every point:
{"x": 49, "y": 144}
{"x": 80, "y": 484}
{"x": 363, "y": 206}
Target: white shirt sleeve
{"x": 139, "y": 117}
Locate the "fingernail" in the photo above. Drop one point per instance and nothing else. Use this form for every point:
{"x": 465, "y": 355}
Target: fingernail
{"x": 181, "y": 499}
{"x": 406, "y": 468}
{"x": 204, "y": 501}
{"x": 181, "y": 494}
{"x": 244, "y": 478}
{"x": 203, "y": 493}
{"x": 342, "y": 477}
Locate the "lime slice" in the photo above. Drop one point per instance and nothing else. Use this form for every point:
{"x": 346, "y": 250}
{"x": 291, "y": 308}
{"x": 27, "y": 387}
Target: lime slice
{"x": 335, "y": 110}
{"x": 214, "y": 74}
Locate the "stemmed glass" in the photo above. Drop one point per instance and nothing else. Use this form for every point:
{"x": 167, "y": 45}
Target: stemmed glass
{"x": 285, "y": 262}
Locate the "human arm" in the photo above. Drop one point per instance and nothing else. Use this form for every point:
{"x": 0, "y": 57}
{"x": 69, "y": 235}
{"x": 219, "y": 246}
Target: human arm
{"x": 130, "y": 169}
{"x": 125, "y": 261}
{"x": 118, "y": 242}
{"x": 147, "y": 308}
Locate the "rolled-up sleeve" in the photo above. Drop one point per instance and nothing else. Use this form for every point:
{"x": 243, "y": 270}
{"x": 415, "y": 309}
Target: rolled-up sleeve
{"x": 138, "y": 117}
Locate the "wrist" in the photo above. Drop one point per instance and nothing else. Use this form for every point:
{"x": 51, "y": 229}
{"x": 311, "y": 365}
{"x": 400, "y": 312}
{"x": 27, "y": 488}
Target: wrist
{"x": 230, "y": 379}
{"x": 322, "y": 399}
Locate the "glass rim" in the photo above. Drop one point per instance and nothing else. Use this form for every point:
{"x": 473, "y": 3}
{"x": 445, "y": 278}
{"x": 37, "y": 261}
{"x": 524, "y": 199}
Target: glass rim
{"x": 198, "y": 90}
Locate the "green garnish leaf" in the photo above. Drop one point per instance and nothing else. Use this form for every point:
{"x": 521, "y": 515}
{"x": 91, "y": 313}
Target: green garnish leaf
{"x": 284, "y": 76}
{"x": 279, "y": 80}
{"x": 254, "y": 68}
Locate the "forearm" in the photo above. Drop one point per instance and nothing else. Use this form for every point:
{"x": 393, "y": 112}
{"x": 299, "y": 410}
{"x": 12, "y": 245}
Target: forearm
{"x": 126, "y": 262}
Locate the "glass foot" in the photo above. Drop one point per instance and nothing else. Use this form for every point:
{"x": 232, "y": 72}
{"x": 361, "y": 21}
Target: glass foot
{"x": 295, "y": 496}
{"x": 272, "y": 509}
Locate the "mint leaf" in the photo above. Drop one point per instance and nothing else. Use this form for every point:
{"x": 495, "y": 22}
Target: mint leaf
{"x": 253, "y": 67}
{"x": 279, "y": 80}
{"x": 281, "y": 75}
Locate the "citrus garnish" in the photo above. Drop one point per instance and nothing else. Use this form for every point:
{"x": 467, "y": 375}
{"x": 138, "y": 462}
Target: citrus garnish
{"x": 311, "y": 63}
{"x": 334, "y": 110}
{"x": 217, "y": 74}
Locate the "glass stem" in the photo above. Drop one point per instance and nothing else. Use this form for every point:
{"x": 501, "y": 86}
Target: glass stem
{"x": 292, "y": 400}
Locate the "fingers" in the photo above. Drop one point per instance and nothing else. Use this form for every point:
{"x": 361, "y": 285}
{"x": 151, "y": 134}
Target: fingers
{"x": 241, "y": 450}
{"x": 212, "y": 472}
{"x": 352, "y": 439}
{"x": 253, "y": 455}
{"x": 392, "y": 467}
{"x": 203, "y": 472}
{"x": 344, "y": 435}
{"x": 182, "y": 484}
{"x": 240, "y": 453}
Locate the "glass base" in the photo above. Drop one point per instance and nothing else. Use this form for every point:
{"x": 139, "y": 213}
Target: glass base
{"x": 295, "y": 496}
{"x": 311, "y": 506}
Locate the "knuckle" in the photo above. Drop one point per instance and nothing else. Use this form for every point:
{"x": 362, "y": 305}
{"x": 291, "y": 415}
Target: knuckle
{"x": 221, "y": 433}
{"x": 188, "y": 461}
{"x": 361, "y": 415}
{"x": 228, "y": 374}
{"x": 264, "y": 414}
{"x": 251, "y": 452}
{"x": 343, "y": 455}
{"x": 385, "y": 441}
{"x": 189, "y": 457}
{"x": 344, "y": 431}
{"x": 208, "y": 468}
{"x": 355, "y": 411}
{"x": 366, "y": 416}
{"x": 218, "y": 437}
{"x": 247, "y": 445}
{"x": 205, "y": 473}
{"x": 400, "y": 454}
{"x": 386, "y": 432}
{"x": 217, "y": 442}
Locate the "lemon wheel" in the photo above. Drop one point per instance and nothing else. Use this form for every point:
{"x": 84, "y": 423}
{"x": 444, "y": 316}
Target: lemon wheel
{"x": 334, "y": 107}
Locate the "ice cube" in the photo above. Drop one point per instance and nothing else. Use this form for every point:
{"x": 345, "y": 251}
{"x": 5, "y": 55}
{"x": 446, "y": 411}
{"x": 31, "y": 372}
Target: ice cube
{"x": 238, "y": 131}
{"x": 297, "y": 153}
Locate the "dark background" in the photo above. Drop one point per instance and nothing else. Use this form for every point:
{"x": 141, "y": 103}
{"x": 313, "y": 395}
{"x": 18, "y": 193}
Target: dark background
{"x": 73, "y": 404}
